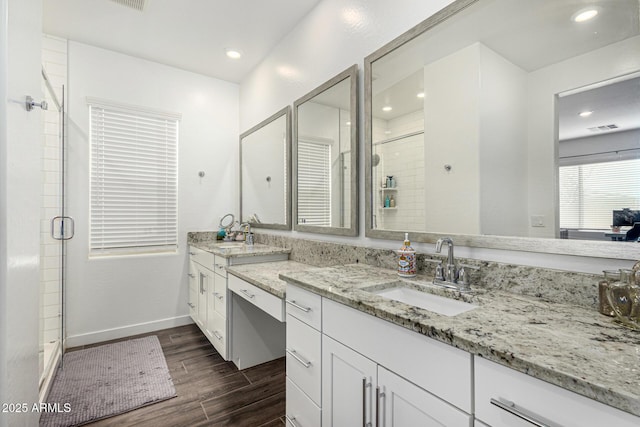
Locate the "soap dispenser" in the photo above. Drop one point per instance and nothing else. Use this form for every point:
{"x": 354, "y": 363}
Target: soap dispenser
{"x": 406, "y": 259}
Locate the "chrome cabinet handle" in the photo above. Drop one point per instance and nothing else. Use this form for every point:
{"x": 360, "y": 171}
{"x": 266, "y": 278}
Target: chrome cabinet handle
{"x": 292, "y": 421}
{"x": 244, "y": 291}
{"x": 298, "y": 358}
{"x": 364, "y": 403}
{"x": 217, "y": 295}
{"x": 191, "y": 305}
{"x": 379, "y": 395}
{"x": 193, "y": 276}
{"x": 522, "y": 413}
{"x": 192, "y": 253}
{"x": 299, "y": 307}
{"x": 217, "y": 335}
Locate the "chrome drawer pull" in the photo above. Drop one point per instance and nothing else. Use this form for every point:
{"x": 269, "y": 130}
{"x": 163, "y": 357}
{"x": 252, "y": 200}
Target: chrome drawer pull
{"x": 522, "y": 413}
{"x": 191, "y": 305}
{"x": 193, "y": 276}
{"x": 192, "y": 253}
{"x": 217, "y": 295}
{"x": 299, "y": 307}
{"x": 217, "y": 335}
{"x": 244, "y": 291}
{"x": 298, "y": 358}
{"x": 292, "y": 421}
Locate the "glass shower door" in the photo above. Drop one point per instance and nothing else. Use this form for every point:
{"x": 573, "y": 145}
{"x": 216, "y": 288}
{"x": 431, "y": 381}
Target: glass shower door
{"x": 55, "y": 230}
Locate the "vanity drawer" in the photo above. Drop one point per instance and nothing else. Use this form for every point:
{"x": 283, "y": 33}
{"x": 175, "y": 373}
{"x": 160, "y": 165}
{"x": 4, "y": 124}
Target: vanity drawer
{"x": 204, "y": 258}
{"x": 217, "y": 330}
{"x": 265, "y": 301}
{"x": 304, "y": 357}
{"x": 305, "y": 306}
{"x": 301, "y": 411}
{"x": 537, "y": 399}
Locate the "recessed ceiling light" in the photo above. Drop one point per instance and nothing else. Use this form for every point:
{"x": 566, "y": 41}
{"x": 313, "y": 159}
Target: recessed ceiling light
{"x": 585, "y": 15}
{"x": 585, "y": 113}
{"x": 233, "y": 54}
{"x": 387, "y": 108}
{"x": 420, "y": 95}
{"x": 348, "y": 123}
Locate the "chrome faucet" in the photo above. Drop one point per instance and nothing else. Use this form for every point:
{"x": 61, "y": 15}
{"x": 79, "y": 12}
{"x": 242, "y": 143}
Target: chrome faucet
{"x": 248, "y": 236}
{"x": 451, "y": 273}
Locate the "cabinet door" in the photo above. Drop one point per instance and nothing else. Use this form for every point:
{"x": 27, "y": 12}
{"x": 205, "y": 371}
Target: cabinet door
{"x": 348, "y": 386}
{"x": 219, "y": 292}
{"x": 201, "y": 283}
{"x": 402, "y": 403}
{"x": 193, "y": 291}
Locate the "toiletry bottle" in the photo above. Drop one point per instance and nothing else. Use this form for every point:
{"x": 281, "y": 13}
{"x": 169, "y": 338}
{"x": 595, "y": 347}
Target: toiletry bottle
{"x": 392, "y": 202}
{"x": 387, "y": 202}
{"x": 407, "y": 259}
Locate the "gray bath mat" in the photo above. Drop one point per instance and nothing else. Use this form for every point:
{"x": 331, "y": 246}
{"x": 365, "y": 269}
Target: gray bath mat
{"x": 108, "y": 380}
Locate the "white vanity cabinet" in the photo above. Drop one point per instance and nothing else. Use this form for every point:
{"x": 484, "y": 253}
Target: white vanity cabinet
{"x": 505, "y": 398}
{"x": 210, "y": 304}
{"x": 366, "y": 367}
{"x": 304, "y": 358}
{"x": 417, "y": 380}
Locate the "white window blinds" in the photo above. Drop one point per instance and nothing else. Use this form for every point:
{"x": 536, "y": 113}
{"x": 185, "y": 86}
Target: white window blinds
{"x": 314, "y": 183}
{"x": 590, "y": 192}
{"x": 134, "y": 181}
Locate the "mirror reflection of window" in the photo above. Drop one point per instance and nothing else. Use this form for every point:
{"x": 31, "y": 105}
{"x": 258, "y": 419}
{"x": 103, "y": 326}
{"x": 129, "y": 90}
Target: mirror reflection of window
{"x": 324, "y": 158}
{"x": 599, "y": 156}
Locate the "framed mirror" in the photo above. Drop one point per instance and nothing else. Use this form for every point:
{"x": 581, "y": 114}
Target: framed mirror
{"x": 325, "y": 157}
{"x": 483, "y": 122}
{"x": 265, "y": 171}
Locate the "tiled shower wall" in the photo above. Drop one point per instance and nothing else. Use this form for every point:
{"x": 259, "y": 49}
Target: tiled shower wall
{"x": 404, "y": 160}
{"x": 54, "y": 61}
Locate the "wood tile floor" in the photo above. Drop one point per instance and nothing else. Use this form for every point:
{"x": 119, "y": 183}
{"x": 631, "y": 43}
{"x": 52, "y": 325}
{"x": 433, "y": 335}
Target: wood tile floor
{"x": 211, "y": 392}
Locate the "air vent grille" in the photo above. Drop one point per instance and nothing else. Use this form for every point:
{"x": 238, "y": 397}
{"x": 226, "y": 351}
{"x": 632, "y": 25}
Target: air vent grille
{"x": 133, "y": 4}
{"x": 603, "y": 128}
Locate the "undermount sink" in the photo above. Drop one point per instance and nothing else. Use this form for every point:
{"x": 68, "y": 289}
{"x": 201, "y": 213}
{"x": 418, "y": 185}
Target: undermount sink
{"x": 427, "y": 301}
{"x": 231, "y": 245}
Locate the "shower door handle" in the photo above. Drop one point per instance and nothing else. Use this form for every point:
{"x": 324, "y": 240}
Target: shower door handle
{"x": 62, "y": 232}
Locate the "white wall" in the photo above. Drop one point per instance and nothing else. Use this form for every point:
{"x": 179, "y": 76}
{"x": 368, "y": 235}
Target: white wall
{"x": 339, "y": 33}
{"x": 117, "y": 296}
{"x": 20, "y": 43}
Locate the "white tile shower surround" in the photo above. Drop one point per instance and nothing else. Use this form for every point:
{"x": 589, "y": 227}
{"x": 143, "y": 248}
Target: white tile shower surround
{"x": 404, "y": 160}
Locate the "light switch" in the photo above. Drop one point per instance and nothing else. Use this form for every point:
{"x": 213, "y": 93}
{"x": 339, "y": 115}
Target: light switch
{"x": 537, "y": 221}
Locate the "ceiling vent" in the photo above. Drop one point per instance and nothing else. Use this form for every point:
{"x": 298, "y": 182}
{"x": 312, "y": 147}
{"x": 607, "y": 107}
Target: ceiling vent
{"x": 133, "y": 4}
{"x": 603, "y": 128}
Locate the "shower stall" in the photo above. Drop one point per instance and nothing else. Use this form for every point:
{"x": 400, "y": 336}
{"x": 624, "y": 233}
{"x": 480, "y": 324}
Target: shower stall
{"x": 55, "y": 229}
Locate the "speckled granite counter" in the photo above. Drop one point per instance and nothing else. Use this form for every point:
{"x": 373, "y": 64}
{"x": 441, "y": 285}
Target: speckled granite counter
{"x": 569, "y": 346}
{"x": 266, "y": 275}
{"x": 238, "y": 249}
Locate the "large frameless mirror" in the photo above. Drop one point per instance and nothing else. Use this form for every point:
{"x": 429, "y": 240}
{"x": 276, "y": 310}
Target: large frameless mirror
{"x": 265, "y": 185}
{"x": 508, "y": 124}
{"x": 325, "y": 157}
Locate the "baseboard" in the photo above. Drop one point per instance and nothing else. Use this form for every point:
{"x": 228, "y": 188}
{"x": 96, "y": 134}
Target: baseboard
{"x": 126, "y": 331}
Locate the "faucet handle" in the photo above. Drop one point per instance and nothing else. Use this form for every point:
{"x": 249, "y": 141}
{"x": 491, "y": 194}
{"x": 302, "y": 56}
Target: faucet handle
{"x": 464, "y": 278}
{"x": 439, "y": 271}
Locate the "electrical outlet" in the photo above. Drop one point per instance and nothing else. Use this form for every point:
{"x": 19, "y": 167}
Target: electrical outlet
{"x": 537, "y": 221}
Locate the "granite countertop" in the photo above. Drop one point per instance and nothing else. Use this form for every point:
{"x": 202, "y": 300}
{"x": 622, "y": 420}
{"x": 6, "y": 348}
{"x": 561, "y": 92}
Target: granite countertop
{"x": 237, "y": 249}
{"x": 569, "y": 346}
{"x": 265, "y": 275}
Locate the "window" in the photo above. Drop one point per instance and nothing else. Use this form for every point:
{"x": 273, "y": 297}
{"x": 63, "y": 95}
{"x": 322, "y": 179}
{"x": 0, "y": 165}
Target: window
{"x": 134, "y": 181}
{"x": 314, "y": 183}
{"x": 590, "y": 192}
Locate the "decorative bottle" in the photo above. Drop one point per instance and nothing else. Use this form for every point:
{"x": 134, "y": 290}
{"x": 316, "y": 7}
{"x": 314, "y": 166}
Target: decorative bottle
{"x": 406, "y": 259}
